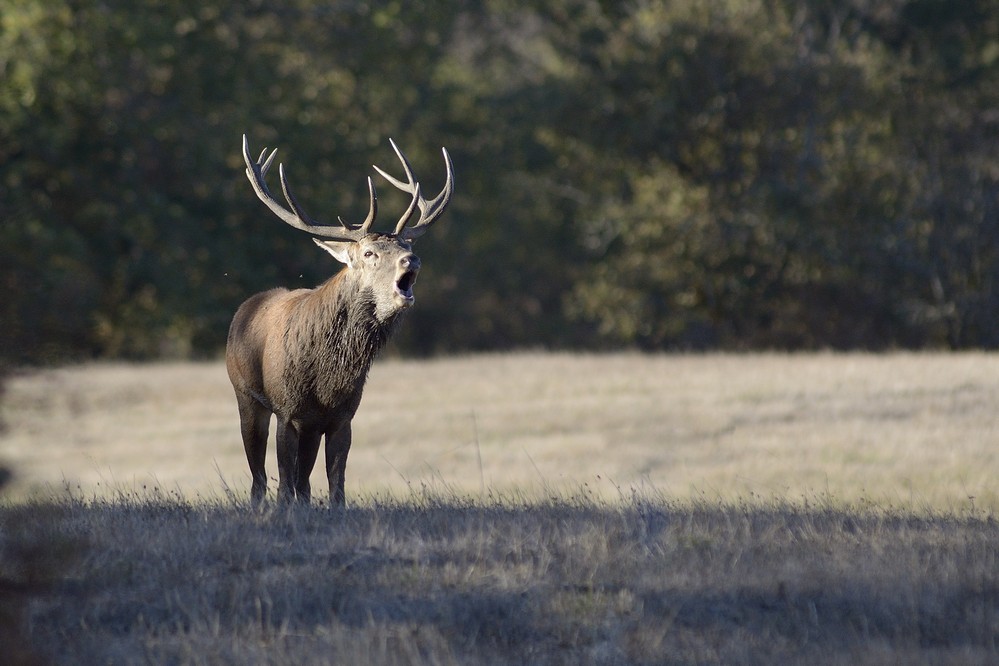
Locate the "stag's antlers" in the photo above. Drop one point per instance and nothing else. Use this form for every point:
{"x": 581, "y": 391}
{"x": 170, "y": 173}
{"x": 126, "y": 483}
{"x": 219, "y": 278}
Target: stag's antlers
{"x": 296, "y": 217}
{"x": 429, "y": 210}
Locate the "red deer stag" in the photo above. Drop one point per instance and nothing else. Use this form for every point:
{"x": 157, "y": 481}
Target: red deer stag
{"x": 304, "y": 355}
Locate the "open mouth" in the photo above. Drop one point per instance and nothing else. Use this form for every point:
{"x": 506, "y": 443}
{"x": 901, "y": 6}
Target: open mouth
{"x": 404, "y": 286}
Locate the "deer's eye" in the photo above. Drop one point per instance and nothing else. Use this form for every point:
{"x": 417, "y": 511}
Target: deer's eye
{"x": 369, "y": 253}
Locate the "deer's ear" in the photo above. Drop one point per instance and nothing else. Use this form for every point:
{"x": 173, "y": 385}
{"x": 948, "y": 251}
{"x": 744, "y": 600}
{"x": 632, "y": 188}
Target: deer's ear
{"x": 339, "y": 249}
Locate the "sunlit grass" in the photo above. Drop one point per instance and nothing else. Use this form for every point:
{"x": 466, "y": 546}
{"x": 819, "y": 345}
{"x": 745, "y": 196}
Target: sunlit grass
{"x": 914, "y": 429}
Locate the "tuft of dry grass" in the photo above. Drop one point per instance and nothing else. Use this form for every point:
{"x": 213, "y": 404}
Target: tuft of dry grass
{"x": 913, "y": 429}
{"x": 440, "y": 579}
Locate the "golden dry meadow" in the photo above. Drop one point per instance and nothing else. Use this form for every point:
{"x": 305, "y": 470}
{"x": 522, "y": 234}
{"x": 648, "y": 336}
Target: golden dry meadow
{"x": 918, "y": 430}
{"x": 528, "y": 508}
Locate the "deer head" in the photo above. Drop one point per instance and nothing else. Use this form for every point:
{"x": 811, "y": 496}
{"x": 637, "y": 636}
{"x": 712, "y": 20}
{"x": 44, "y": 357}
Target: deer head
{"x": 382, "y": 264}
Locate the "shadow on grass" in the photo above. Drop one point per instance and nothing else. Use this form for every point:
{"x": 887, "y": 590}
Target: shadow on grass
{"x": 443, "y": 579}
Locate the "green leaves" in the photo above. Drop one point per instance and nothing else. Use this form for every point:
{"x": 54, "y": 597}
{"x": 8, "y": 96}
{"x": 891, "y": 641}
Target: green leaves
{"x": 656, "y": 174}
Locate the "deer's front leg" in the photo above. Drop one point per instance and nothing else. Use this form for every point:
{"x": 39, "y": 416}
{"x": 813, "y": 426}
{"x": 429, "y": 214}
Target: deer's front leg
{"x": 337, "y": 447}
{"x": 287, "y": 457}
{"x": 308, "y": 449}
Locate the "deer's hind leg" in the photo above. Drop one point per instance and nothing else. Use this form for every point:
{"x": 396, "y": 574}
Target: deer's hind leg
{"x": 254, "y": 421}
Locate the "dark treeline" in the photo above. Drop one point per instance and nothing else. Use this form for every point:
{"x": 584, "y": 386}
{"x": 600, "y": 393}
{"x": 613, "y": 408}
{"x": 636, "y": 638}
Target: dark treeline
{"x": 660, "y": 175}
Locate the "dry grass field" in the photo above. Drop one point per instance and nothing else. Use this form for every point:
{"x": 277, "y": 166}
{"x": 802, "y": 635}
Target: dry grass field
{"x": 531, "y": 508}
{"x": 912, "y": 430}
{"x": 437, "y": 580}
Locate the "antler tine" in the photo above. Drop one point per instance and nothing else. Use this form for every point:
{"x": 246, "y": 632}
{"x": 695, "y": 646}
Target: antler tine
{"x": 266, "y": 165}
{"x": 296, "y": 217}
{"x": 290, "y": 198}
{"x": 429, "y": 210}
{"x": 407, "y": 186}
{"x": 440, "y": 202}
{"x": 409, "y": 211}
{"x": 410, "y": 186}
{"x": 372, "y": 211}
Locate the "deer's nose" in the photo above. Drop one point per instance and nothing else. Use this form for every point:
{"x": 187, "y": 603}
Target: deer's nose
{"x": 410, "y": 262}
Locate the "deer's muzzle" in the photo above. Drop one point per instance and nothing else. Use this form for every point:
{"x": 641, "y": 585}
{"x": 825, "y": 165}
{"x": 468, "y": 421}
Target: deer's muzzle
{"x": 409, "y": 267}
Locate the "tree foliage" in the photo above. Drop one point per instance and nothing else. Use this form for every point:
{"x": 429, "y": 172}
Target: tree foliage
{"x": 729, "y": 173}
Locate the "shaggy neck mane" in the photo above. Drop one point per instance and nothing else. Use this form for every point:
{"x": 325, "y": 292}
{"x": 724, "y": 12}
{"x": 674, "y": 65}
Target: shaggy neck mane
{"x": 332, "y": 338}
